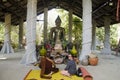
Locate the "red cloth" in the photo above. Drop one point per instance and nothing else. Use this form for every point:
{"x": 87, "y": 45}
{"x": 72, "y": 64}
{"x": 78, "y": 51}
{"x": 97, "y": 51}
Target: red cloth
{"x": 118, "y": 10}
{"x": 86, "y": 75}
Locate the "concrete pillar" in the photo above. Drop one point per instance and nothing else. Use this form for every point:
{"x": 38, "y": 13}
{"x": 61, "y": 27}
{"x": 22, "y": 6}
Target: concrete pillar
{"x": 70, "y": 25}
{"x": 87, "y": 28}
{"x": 107, "y": 49}
{"x": 30, "y": 54}
{"x": 20, "y": 46}
{"x": 7, "y": 48}
{"x": 45, "y": 23}
{"x": 94, "y": 36}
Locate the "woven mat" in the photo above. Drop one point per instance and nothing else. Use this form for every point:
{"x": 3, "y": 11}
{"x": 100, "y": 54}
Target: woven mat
{"x": 35, "y": 75}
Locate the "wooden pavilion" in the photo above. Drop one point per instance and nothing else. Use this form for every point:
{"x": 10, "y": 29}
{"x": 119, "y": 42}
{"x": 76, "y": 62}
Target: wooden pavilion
{"x": 94, "y": 13}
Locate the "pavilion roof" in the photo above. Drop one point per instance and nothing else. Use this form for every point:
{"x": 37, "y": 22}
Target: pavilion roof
{"x": 18, "y": 9}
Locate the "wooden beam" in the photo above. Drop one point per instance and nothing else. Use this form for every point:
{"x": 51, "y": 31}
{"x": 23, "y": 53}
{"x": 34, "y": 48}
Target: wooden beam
{"x": 45, "y": 3}
{"x": 5, "y": 9}
{"x": 19, "y": 7}
{"x": 99, "y": 7}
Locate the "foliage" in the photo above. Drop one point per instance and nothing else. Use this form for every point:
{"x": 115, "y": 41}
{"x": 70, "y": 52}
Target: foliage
{"x": 14, "y": 35}
{"x": 77, "y": 30}
{"x": 100, "y": 33}
{"x": 113, "y": 35}
{"x": 1, "y": 32}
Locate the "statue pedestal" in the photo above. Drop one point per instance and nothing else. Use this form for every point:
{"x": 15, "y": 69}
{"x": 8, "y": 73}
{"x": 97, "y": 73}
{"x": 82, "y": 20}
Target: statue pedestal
{"x": 58, "y": 45}
{"x": 58, "y": 48}
{"x": 58, "y": 53}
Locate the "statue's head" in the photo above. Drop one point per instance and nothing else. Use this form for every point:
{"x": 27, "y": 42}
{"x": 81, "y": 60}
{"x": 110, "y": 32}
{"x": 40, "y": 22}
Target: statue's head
{"x": 58, "y": 20}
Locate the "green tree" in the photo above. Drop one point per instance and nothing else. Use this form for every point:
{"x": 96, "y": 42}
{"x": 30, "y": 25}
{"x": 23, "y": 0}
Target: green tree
{"x": 14, "y": 36}
{"x": 77, "y": 29}
{"x": 113, "y": 35}
{"x": 100, "y": 33}
{"x": 1, "y": 32}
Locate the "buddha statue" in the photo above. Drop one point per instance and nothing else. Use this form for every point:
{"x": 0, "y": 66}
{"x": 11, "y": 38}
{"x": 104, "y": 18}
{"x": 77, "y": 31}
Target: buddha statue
{"x": 57, "y": 33}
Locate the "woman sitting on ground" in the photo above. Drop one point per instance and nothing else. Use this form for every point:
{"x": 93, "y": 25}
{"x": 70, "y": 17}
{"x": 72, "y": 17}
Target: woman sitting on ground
{"x": 70, "y": 68}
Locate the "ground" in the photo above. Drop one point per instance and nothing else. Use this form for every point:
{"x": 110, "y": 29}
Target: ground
{"x": 108, "y": 67}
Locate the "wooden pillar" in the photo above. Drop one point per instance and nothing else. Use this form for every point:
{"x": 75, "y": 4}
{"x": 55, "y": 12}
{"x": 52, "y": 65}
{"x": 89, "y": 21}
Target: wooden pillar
{"x": 30, "y": 54}
{"x": 45, "y": 23}
{"x": 20, "y": 33}
{"x": 106, "y": 49}
{"x": 7, "y": 48}
{"x": 87, "y": 28}
{"x": 70, "y": 25}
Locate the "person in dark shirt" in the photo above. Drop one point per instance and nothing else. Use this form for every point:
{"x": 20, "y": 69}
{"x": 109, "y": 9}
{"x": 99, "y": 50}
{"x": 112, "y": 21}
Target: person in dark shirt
{"x": 70, "y": 68}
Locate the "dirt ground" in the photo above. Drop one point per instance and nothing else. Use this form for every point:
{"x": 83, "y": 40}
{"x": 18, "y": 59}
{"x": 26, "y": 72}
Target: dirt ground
{"x": 108, "y": 67}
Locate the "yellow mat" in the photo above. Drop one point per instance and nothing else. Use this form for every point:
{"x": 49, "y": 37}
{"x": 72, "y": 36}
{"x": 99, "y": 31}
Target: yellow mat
{"x": 35, "y": 75}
